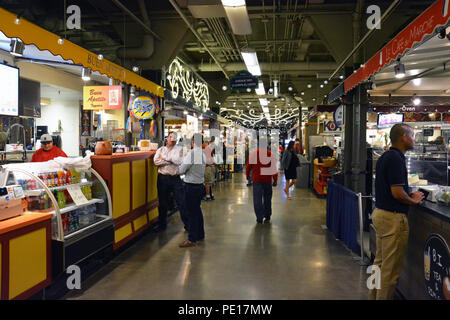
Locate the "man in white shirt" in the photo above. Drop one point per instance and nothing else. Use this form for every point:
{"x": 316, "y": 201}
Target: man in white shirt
{"x": 168, "y": 158}
{"x": 193, "y": 167}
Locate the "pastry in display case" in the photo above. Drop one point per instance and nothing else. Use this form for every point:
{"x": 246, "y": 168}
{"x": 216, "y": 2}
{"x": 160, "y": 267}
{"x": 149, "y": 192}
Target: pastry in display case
{"x": 79, "y": 200}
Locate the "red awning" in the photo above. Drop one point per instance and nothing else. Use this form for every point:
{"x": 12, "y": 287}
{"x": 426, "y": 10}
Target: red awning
{"x": 418, "y": 31}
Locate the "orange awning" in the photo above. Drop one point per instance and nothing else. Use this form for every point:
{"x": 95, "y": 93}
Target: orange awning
{"x": 30, "y": 33}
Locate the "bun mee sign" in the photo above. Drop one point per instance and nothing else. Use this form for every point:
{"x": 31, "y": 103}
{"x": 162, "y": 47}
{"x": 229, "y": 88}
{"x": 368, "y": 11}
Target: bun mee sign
{"x": 102, "y": 97}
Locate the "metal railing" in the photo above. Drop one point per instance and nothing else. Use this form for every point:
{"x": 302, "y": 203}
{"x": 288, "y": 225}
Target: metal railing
{"x": 363, "y": 260}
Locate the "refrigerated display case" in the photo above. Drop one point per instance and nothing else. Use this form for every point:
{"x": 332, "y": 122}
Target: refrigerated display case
{"x": 79, "y": 201}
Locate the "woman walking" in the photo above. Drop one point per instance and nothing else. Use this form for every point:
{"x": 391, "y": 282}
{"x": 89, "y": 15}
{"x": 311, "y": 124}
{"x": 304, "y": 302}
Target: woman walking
{"x": 289, "y": 163}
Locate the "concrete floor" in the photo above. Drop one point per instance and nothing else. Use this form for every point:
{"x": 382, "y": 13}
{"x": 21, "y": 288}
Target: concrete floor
{"x": 291, "y": 258}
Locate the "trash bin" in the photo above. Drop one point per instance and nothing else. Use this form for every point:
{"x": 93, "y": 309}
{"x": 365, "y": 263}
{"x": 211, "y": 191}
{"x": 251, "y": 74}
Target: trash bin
{"x": 303, "y": 174}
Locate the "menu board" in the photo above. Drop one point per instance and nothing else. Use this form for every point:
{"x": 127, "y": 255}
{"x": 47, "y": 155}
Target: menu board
{"x": 9, "y": 90}
{"x": 437, "y": 268}
{"x": 388, "y": 119}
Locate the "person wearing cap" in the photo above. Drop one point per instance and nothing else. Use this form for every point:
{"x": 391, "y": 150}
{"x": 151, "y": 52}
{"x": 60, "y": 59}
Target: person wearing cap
{"x": 167, "y": 159}
{"x": 48, "y": 150}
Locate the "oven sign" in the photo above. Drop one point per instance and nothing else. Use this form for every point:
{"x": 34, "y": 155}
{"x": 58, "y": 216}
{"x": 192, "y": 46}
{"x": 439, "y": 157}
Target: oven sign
{"x": 437, "y": 268}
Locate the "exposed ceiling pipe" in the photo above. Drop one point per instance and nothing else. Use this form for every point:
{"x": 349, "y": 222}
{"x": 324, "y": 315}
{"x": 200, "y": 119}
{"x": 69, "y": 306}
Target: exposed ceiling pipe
{"x": 121, "y": 6}
{"x": 148, "y": 43}
{"x": 394, "y": 5}
{"x": 173, "y": 3}
{"x": 267, "y": 67}
{"x": 357, "y": 30}
{"x": 219, "y": 37}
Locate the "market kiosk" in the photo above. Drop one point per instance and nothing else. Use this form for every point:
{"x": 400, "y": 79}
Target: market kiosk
{"x": 54, "y": 215}
{"x": 131, "y": 178}
{"x": 410, "y": 73}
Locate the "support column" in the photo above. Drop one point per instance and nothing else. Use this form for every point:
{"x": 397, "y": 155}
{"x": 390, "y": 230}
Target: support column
{"x": 299, "y": 130}
{"x": 348, "y": 139}
{"x": 359, "y": 145}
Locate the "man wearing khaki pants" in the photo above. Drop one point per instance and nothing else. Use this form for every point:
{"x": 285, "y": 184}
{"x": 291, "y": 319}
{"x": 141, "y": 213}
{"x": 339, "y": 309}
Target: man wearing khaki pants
{"x": 390, "y": 215}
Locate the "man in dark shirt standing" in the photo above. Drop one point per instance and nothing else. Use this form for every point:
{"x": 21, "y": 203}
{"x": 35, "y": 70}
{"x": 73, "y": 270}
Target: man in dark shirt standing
{"x": 390, "y": 215}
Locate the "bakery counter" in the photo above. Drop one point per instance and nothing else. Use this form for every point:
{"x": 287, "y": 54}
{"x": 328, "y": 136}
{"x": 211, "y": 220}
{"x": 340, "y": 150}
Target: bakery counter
{"x": 131, "y": 178}
{"x": 25, "y": 255}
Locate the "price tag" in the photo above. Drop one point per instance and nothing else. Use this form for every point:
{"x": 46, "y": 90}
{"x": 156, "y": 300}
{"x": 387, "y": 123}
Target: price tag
{"x": 77, "y": 195}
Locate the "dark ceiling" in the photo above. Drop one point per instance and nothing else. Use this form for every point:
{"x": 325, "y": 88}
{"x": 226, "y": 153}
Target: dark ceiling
{"x": 298, "y": 42}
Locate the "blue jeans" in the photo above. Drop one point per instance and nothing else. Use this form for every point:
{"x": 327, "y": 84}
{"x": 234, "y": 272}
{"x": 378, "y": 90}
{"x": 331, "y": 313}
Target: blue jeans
{"x": 262, "y": 200}
{"x": 167, "y": 184}
{"x": 194, "y": 195}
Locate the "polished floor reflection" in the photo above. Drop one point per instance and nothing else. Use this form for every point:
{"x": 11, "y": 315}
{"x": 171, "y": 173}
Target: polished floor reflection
{"x": 293, "y": 257}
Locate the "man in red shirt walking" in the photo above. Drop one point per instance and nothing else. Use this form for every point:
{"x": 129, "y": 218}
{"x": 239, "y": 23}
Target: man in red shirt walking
{"x": 264, "y": 166}
{"x": 48, "y": 150}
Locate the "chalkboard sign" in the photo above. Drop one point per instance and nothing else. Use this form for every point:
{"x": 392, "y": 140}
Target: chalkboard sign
{"x": 437, "y": 268}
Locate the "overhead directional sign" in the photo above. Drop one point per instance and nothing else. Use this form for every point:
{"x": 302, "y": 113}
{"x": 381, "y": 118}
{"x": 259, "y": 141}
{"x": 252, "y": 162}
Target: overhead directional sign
{"x": 243, "y": 80}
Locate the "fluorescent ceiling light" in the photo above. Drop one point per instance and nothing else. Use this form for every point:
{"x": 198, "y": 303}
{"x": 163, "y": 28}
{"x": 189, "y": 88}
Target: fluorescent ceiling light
{"x": 233, "y": 3}
{"x": 251, "y": 61}
{"x": 254, "y": 70}
{"x": 260, "y": 91}
{"x": 264, "y": 102}
{"x": 417, "y": 82}
{"x": 237, "y": 15}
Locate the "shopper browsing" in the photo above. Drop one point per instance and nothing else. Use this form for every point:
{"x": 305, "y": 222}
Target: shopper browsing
{"x": 390, "y": 215}
{"x": 289, "y": 163}
{"x": 263, "y": 164}
{"x": 193, "y": 167}
{"x": 48, "y": 151}
{"x": 168, "y": 159}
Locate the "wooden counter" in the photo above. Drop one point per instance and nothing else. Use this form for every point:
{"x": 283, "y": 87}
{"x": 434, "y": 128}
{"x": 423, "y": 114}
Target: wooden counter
{"x": 25, "y": 255}
{"x": 131, "y": 179}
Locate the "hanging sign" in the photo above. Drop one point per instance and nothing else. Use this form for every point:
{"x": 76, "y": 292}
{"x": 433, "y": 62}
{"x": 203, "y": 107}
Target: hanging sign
{"x": 339, "y": 116}
{"x": 405, "y": 109}
{"x": 330, "y": 126}
{"x": 143, "y": 107}
{"x": 437, "y": 268}
{"x": 243, "y": 80}
{"x": 102, "y": 98}
{"x": 185, "y": 83}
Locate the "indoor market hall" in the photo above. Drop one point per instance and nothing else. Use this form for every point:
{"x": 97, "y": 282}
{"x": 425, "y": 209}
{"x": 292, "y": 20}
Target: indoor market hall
{"x": 293, "y": 257}
{"x": 209, "y": 151}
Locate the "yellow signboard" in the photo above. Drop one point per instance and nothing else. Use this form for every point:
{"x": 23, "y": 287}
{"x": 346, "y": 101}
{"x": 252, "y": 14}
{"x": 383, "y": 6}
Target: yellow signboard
{"x": 102, "y": 97}
{"x": 30, "y": 33}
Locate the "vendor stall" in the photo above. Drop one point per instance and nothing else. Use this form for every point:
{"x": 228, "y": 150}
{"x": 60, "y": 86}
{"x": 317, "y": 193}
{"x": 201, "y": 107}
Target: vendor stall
{"x": 131, "y": 179}
{"x": 410, "y": 74}
{"x": 79, "y": 201}
{"x": 25, "y": 255}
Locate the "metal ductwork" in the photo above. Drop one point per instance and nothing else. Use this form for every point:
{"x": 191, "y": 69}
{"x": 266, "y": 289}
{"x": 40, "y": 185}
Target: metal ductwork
{"x": 274, "y": 67}
{"x": 148, "y": 41}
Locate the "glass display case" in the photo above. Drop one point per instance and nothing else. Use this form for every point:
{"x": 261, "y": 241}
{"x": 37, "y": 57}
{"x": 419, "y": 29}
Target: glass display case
{"x": 427, "y": 163}
{"x": 79, "y": 200}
